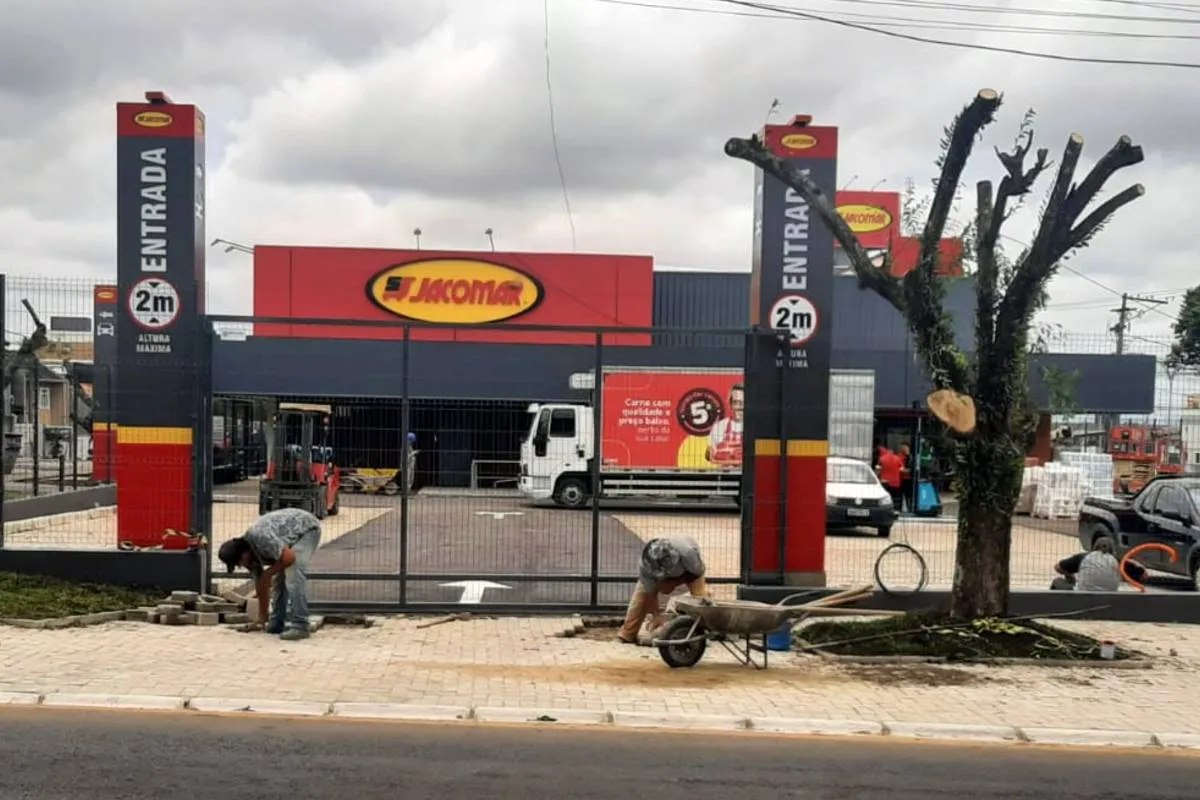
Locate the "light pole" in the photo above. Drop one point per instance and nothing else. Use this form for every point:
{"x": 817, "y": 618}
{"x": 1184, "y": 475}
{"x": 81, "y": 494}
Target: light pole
{"x": 231, "y": 246}
{"x": 417, "y": 236}
{"x": 491, "y": 239}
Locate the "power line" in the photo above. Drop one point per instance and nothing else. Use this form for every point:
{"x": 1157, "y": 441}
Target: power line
{"x": 843, "y": 22}
{"x": 915, "y": 23}
{"x": 960, "y": 45}
{"x": 1008, "y": 10}
{"x": 562, "y": 178}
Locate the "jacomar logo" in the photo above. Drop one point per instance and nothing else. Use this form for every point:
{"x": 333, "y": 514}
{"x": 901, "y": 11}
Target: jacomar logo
{"x": 455, "y": 290}
{"x": 798, "y": 141}
{"x": 153, "y": 119}
{"x": 865, "y": 219}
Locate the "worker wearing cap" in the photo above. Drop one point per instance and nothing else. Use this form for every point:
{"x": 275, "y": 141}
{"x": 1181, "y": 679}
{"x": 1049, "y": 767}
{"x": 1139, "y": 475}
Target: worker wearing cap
{"x": 276, "y": 550}
{"x": 667, "y": 563}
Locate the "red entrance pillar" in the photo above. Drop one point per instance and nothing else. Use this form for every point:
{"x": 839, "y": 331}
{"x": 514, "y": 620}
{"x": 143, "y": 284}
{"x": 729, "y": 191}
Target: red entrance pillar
{"x": 788, "y": 363}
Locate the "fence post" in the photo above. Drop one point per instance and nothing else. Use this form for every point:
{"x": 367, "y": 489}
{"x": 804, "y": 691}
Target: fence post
{"x": 746, "y": 502}
{"x": 594, "y": 467}
{"x": 406, "y": 468}
{"x": 75, "y": 392}
{"x": 110, "y": 448}
{"x": 783, "y": 345}
{"x": 37, "y": 423}
{"x": 5, "y": 405}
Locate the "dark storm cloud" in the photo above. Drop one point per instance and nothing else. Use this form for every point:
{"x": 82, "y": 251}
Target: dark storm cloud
{"x": 636, "y": 110}
{"x": 56, "y": 52}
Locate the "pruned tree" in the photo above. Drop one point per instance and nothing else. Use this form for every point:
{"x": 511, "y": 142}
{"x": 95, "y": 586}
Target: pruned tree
{"x": 989, "y": 460}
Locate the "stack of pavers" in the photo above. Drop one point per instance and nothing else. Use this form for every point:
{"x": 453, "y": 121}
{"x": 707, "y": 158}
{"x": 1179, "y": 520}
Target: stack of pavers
{"x": 192, "y": 608}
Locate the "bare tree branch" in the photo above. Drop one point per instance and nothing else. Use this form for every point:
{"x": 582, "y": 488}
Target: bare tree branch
{"x": 1091, "y": 224}
{"x": 1033, "y": 270}
{"x": 986, "y": 269}
{"x": 1122, "y": 154}
{"x": 878, "y": 280}
{"x": 919, "y": 296}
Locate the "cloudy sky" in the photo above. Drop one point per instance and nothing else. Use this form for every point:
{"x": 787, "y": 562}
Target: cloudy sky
{"x": 355, "y": 122}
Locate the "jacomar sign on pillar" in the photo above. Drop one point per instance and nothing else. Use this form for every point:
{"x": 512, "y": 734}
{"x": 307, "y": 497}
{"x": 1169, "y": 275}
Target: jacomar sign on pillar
{"x": 787, "y": 392}
{"x": 160, "y": 273}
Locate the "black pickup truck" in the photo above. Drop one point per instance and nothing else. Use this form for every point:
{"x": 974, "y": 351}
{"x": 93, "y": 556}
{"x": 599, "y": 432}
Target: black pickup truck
{"x": 1166, "y": 510}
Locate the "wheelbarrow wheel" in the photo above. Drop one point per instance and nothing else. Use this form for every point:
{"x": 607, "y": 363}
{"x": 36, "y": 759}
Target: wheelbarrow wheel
{"x": 681, "y": 655}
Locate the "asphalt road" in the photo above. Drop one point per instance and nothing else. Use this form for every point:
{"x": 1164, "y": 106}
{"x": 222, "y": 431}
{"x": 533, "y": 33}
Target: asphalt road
{"x": 480, "y": 535}
{"x": 53, "y": 755}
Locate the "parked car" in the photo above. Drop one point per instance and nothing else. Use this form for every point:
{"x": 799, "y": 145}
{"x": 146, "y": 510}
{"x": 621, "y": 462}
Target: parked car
{"x": 1166, "y": 510}
{"x": 854, "y": 497}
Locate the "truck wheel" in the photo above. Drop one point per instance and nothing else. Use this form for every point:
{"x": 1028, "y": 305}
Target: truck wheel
{"x": 885, "y": 532}
{"x": 571, "y": 493}
{"x": 1102, "y": 533}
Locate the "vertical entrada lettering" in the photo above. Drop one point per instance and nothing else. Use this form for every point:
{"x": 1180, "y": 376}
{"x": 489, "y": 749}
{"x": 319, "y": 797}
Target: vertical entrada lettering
{"x": 153, "y": 211}
{"x": 795, "y": 241}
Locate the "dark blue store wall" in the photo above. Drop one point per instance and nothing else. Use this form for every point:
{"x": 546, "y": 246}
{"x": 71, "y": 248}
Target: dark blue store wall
{"x": 867, "y": 334}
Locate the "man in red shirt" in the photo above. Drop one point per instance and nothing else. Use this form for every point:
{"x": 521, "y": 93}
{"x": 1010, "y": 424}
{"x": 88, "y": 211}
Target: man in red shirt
{"x": 890, "y": 467}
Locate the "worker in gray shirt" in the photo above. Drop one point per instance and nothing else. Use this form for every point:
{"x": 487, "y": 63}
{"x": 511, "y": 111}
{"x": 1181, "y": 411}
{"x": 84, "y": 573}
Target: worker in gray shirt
{"x": 666, "y": 564}
{"x": 276, "y": 550}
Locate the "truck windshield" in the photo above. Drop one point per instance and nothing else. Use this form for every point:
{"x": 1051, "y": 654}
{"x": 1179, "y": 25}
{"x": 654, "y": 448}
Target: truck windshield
{"x": 848, "y": 473}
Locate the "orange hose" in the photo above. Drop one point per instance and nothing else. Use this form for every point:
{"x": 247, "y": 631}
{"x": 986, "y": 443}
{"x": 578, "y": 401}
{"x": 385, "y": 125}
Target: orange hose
{"x": 1141, "y": 548}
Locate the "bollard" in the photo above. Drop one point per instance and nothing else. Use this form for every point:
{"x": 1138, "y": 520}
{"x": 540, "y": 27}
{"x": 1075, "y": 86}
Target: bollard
{"x": 62, "y": 472}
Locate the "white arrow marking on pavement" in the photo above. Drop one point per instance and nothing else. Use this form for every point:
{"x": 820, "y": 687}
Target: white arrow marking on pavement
{"x": 472, "y": 591}
{"x": 499, "y": 514}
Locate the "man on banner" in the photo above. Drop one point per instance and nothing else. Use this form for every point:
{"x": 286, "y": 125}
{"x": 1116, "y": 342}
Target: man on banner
{"x": 725, "y": 439}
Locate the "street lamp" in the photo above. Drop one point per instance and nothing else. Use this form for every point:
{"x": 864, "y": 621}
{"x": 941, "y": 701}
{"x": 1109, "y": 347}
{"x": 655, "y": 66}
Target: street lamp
{"x": 491, "y": 239}
{"x": 231, "y": 246}
{"x": 417, "y": 236}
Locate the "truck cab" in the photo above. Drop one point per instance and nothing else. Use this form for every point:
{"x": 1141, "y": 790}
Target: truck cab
{"x": 556, "y": 455}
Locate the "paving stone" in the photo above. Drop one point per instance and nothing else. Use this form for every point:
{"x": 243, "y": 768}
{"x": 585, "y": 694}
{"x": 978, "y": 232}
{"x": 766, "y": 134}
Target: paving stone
{"x": 235, "y": 619}
{"x": 184, "y": 597}
{"x": 168, "y": 609}
{"x": 514, "y": 663}
{"x": 202, "y": 618}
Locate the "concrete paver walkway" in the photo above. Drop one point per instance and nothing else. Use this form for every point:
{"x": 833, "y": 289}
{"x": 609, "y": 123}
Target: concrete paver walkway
{"x": 518, "y": 662}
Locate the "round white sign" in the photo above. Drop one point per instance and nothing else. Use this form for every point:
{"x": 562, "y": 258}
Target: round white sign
{"x": 796, "y": 315}
{"x": 153, "y": 303}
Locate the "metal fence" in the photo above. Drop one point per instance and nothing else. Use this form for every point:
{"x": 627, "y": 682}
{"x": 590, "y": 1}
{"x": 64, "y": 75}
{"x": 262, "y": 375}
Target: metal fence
{"x": 48, "y": 368}
{"x": 447, "y": 500}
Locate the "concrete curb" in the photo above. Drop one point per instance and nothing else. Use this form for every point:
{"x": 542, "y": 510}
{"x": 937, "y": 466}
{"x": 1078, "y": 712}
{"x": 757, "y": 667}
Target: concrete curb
{"x": 549, "y": 717}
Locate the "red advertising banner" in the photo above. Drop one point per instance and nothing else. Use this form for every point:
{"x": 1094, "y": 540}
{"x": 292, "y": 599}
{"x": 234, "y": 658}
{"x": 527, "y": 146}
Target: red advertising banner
{"x": 658, "y": 419}
{"x": 476, "y": 293}
{"x": 874, "y": 217}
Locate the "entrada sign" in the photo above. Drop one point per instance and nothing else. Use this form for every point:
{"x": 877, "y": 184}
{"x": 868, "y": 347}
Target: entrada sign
{"x": 455, "y": 291}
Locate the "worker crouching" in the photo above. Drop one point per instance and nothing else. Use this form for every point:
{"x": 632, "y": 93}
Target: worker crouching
{"x": 666, "y": 564}
{"x": 276, "y": 550}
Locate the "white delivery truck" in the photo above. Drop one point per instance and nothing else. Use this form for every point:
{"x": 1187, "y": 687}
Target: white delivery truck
{"x": 668, "y": 433}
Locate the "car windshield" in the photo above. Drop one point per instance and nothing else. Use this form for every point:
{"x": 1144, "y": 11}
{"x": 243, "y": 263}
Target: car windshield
{"x": 848, "y": 473}
{"x": 1194, "y": 491}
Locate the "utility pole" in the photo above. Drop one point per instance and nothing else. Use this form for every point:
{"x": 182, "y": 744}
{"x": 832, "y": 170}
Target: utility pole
{"x": 1123, "y": 315}
{"x": 1123, "y": 319}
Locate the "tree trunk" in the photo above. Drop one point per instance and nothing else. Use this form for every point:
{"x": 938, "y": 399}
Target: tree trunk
{"x": 989, "y": 482}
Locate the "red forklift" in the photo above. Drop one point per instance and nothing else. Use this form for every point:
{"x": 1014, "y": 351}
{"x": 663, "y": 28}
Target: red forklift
{"x": 301, "y": 472}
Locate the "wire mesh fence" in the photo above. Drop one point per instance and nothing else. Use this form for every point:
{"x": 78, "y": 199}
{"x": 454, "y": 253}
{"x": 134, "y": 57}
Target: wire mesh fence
{"x": 49, "y": 385}
{"x": 513, "y": 475}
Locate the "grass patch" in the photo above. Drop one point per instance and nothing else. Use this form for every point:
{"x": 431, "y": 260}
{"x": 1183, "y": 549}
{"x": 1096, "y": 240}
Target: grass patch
{"x": 934, "y": 635}
{"x": 38, "y": 597}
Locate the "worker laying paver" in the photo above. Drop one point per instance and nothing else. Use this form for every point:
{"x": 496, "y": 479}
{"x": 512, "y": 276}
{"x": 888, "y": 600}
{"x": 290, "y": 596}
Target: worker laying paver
{"x": 276, "y": 550}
